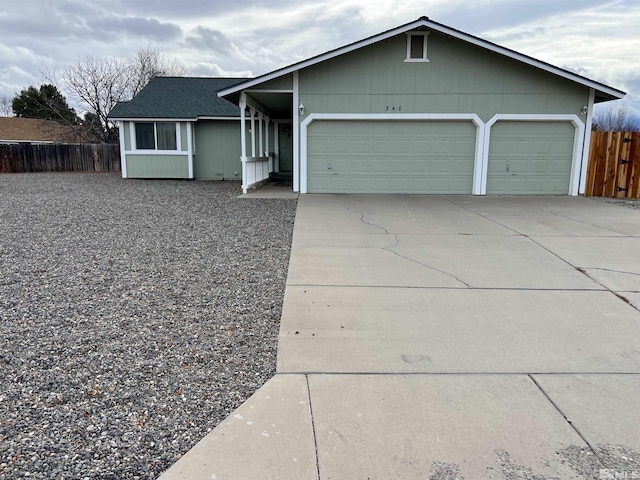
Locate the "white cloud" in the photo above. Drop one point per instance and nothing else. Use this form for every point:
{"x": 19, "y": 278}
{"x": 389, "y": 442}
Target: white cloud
{"x": 600, "y": 42}
{"x": 598, "y": 38}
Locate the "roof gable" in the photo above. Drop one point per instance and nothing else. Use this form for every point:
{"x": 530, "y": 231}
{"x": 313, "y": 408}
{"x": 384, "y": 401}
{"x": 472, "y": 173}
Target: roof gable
{"x": 179, "y": 98}
{"x": 603, "y": 92}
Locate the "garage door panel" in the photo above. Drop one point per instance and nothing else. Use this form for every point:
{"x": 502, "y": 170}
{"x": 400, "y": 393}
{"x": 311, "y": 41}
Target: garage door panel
{"x": 390, "y": 156}
{"x": 530, "y": 158}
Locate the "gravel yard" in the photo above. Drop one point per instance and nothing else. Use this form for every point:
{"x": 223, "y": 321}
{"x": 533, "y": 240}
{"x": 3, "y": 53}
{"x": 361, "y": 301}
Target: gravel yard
{"x": 134, "y": 316}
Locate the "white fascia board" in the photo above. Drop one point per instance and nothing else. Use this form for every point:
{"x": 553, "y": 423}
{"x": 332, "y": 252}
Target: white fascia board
{"x": 179, "y": 153}
{"x": 152, "y": 119}
{"x": 235, "y": 119}
{"x": 290, "y": 90}
{"x": 438, "y": 27}
{"x": 155, "y": 120}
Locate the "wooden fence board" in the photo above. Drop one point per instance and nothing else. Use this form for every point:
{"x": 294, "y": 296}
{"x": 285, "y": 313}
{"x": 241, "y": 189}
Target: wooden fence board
{"x": 59, "y": 158}
{"x": 614, "y": 165}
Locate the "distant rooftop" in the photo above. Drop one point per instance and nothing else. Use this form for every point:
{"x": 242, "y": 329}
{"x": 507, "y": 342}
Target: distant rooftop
{"x": 36, "y": 130}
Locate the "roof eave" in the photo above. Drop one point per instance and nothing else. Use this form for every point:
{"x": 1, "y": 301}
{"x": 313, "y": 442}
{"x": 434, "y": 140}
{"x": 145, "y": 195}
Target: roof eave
{"x": 610, "y": 92}
{"x": 173, "y": 119}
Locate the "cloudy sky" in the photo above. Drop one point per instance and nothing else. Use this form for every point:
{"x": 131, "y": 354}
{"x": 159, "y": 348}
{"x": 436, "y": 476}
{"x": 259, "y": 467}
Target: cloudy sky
{"x": 597, "y": 38}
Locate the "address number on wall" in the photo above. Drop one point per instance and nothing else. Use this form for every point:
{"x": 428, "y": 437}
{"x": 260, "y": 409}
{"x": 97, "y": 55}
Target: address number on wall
{"x": 393, "y": 108}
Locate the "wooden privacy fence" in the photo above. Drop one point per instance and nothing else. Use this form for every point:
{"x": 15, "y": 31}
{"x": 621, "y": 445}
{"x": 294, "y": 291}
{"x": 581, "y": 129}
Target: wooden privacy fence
{"x": 59, "y": 157}
{"x": 614, "y": 165}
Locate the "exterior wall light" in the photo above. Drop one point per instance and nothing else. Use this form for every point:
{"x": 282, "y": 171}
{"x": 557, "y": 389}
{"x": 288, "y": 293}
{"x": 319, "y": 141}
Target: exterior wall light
{"x": 301, "y": 109}
{"x": 584, "y": 110}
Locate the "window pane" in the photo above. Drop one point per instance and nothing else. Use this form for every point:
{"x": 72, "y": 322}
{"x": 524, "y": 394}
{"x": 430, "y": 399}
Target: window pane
{"x": 166, "y": 136}
{"x": 144, "y": 136}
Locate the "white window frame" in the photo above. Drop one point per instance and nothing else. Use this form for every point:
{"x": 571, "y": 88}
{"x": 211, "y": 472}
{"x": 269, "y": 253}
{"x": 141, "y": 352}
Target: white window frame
{"x": 424, "y": 58}
{"x": 151, "y": 151}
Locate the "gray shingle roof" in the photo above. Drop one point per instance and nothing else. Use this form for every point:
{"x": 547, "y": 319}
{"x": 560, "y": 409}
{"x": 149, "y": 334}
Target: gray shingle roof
{"x": 179, "y": 97}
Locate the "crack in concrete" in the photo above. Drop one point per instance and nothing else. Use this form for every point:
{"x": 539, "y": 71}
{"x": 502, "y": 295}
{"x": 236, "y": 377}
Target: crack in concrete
{"x": 397, "y": 243}
{"x": 584, "y": 223}
{"x": 313, "y": 426}
{"x": 557, "y": 407}
{"x": 373, "y": 224}
{"x": 610, "y": 270}
{"x": 619, "y": 295}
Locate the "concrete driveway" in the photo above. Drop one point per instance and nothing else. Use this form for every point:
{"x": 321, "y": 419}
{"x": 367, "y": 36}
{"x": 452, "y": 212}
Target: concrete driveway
{"x": 449, "y": 337}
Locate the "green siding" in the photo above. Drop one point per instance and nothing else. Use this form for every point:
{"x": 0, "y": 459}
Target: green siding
{"x": 217, "y": 150}
{"x": 157, "y": 166}
{"x": 281, "y": 83}
{"x": 183, "y": 136}
{"x": 127, "y": 136}
{"x": 459, "y": 78}
{"x": 530, "y": 158}
{"x": 391, "y": 157}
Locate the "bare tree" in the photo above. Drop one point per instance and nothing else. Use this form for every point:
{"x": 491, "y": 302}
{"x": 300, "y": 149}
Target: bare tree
{"x": 97, "y": 84}
{"x": 150, "y": 63}
{"x": 6, "y": 109}
{"x": 617, "y": 119}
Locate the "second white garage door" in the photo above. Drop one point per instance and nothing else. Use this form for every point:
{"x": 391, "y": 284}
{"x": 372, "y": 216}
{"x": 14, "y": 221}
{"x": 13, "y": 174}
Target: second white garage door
{"x": 530, "y": 158}
{"x": 390, "y": 156}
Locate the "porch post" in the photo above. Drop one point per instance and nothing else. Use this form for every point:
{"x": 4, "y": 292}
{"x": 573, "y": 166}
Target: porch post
{"x": 123, "y": 155}
{"x": 266, "y": 137}
{"x": 243, "y": 140}
{"x": 253, "y": 131}
{"x": 260, "y": 116}
{"x": 266, "y": 125}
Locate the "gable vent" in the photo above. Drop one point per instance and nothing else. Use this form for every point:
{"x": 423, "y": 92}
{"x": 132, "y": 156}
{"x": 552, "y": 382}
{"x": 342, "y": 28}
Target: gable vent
{"x": 417, "y": 47}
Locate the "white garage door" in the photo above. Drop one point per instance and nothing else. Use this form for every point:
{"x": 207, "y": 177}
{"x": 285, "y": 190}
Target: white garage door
{"x": 530, "y": 158}
{"x": 391, "y": 156}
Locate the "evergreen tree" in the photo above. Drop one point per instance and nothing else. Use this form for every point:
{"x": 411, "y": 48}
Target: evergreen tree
{"x": 45, "y": 102}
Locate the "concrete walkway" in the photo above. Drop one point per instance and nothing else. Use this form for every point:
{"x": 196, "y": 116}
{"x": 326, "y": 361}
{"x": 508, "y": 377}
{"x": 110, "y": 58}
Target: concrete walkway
{"x": 447, "y": 338}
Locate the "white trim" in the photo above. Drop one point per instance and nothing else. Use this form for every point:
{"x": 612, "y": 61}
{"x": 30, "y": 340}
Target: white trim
{"x": 252, "y": 111}
{"x": 472, "y": 117}
{"x": 158, "y": 152}
{"x": 424, "y": 58}
{"x": 243, "y": 125}
{"x": 217, "y": 118}
{"x": 132, "y": 136}
{"x": 434, "y": 26}
{"x": 290, "y": 90}
{"x": 574, "y": 179}
{"x": 178, "y": 136}
{"x": 295, "y": 125}
{"x": 266, "y": 137}
{"x": 160, "y": 119}
{"x": 123, "y": 153}
{"x": 587, "y": 142}
{"x": 149, "y": 120}
{"x": 243, "y": 140}
{"x": 189, "y": 149}
{"x": 134, "y": 146}
{"x": 260, "y": 133}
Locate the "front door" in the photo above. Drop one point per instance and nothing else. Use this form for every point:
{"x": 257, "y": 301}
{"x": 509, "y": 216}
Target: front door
{"x": 285, "y": 147}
